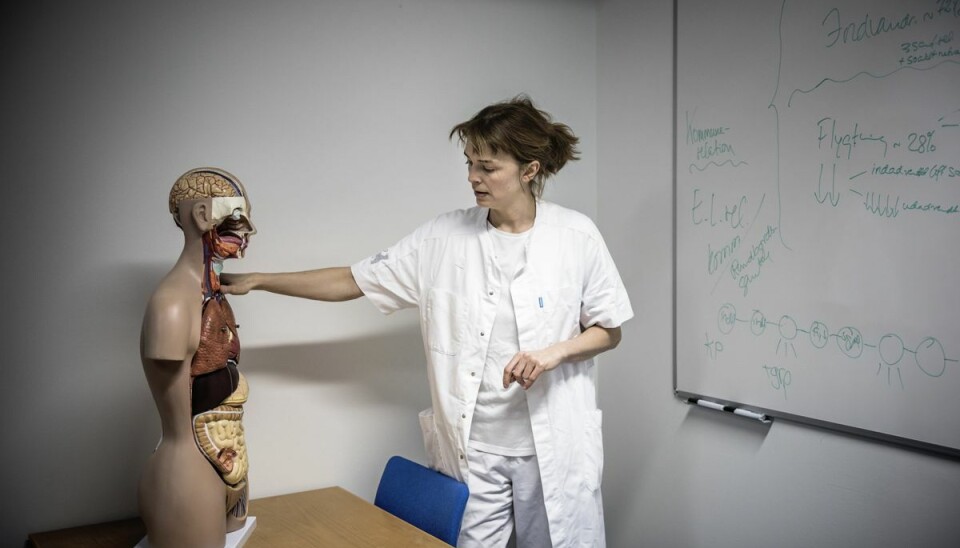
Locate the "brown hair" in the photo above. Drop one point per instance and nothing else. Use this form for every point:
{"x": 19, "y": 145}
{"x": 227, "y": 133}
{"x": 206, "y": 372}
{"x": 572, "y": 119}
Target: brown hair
{"x": 525, "y": 132}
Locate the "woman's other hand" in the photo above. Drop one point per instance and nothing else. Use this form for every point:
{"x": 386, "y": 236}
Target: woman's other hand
{"x": 526, "y": 367}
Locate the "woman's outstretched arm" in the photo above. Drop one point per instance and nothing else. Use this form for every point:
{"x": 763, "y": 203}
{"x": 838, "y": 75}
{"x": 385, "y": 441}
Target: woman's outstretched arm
{"x": 325, "y": 284}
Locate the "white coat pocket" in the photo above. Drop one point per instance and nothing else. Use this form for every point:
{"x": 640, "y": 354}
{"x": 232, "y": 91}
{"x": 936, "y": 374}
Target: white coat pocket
{"x": 593, "y": 451}
{"x": 442, "y": 320}
{"x": 559, "y": 311}
{"x": 431, "y": 442}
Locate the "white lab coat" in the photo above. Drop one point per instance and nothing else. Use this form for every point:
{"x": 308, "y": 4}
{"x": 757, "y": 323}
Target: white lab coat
{"x": 447, "y": 268}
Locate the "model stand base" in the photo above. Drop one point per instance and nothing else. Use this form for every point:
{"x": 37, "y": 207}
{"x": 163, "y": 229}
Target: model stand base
{"x": 235, "y": 539}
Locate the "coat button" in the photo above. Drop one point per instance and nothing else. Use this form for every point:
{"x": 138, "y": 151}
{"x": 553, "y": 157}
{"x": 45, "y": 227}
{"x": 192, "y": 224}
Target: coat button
{"x": 482, "y": 334}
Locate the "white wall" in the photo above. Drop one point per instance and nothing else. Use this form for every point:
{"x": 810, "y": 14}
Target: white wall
{"x": 682, "y": 477}
{"x": 335, "y": 115}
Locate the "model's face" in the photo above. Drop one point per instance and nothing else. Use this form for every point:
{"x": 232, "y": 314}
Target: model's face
{"x": 234, "y": 228}
{"x": 495, "y": 178}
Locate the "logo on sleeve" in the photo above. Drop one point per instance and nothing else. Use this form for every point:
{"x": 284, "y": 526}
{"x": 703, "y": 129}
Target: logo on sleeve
{"x": 382, "y": 256}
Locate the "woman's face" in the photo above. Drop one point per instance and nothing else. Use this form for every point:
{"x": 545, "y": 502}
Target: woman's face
{"x": 495, "y": 179}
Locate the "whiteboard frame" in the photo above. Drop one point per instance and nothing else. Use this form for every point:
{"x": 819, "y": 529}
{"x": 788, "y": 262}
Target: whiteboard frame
{"x": 690, "y": 397}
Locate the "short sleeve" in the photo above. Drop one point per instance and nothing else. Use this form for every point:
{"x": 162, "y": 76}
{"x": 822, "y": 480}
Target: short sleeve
{"x": 391, "y": 278}
{"x": 605, "y": 301}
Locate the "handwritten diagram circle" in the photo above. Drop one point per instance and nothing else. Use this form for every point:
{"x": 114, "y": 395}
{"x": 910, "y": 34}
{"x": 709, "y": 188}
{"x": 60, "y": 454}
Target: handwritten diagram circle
{"x": 891, "y": 349}
{"x": 758, "y": 323}
{"x": 788, "y": 328}
{"x": 850, "y": 341}
{"x": 931, "y": 359}
{"x": 726, "y": 318}
{"x": 819, "y": 334}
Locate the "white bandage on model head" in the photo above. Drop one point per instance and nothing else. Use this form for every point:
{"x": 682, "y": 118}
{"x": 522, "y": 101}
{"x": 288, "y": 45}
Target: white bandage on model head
{"x": 234, "y": 207}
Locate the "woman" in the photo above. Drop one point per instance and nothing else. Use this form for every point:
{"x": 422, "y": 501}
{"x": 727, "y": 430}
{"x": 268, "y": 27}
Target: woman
{"x": 516, "y": 297}
{"x": 194, "y": 486}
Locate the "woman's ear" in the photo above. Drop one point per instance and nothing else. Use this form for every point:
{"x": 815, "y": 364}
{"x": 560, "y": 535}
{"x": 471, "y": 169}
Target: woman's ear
{"x": 530, "y": 171}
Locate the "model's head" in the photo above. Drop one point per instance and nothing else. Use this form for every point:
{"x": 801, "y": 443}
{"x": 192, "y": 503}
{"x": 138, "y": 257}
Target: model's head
{"x": 218, "y": 203}
{"x": 528, "y": 134}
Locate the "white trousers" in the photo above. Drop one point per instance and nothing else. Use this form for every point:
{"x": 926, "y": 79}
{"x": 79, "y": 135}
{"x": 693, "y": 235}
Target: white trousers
{"x": 505, "y": 494}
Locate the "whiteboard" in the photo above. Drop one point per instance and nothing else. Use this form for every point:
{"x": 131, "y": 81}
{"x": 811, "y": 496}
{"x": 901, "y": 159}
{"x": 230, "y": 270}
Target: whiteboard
{"x": 818, "y": 212}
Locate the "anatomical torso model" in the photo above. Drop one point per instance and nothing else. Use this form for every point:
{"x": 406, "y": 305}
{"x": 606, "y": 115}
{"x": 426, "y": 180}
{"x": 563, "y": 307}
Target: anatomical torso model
{"x": 194, "y": 486}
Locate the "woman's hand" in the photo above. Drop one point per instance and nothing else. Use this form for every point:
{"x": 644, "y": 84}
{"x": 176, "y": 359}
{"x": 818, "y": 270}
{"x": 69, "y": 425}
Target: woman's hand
{"x": 236, "y": 284}
{"x": 526, "y": 367}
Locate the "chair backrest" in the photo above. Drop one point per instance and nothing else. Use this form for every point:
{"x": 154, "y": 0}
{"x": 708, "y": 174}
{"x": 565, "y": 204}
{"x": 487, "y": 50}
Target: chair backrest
{"x": 423, "y": 497}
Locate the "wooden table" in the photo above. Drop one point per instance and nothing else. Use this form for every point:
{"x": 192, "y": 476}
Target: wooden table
{"x": 331, "y": 517}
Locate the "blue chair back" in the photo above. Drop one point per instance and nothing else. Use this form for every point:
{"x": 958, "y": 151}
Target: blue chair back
{"x": 423, "y": 497}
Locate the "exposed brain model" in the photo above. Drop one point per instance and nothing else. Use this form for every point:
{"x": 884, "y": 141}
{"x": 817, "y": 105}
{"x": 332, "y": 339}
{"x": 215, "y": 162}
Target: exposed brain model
{"x": 203, "y": 183}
